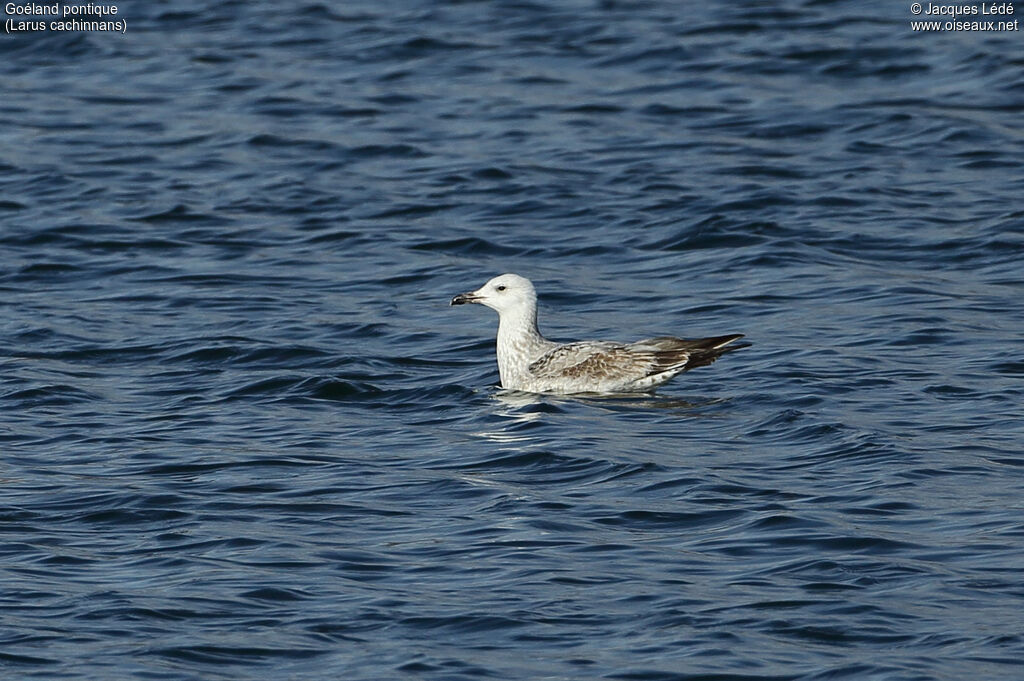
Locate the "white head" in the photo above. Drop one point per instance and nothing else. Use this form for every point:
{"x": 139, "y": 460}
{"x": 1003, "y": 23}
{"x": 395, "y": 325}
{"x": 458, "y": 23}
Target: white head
{"x": 508, "y": 294}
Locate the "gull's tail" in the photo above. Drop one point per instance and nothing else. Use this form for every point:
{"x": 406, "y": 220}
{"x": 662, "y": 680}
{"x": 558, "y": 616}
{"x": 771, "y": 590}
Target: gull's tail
{"x": 682, "y": 354}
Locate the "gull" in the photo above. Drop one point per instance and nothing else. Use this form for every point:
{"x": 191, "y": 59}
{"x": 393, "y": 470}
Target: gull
{"x": 531, "y": 363}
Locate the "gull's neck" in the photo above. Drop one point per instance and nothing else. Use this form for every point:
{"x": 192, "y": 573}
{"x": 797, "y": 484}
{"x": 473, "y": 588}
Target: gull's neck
{"x": 519, "y": 344}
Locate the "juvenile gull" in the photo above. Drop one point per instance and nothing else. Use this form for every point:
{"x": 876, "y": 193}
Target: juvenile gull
{"x": 527, "y": 361}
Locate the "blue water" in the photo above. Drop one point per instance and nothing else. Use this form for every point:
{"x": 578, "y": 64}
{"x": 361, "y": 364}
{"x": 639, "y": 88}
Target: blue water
{"x": 244, "y": 437}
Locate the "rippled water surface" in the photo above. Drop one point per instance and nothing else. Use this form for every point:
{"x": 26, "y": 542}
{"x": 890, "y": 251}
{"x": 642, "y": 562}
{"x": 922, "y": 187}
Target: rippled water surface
{"x": 244, "y": 437}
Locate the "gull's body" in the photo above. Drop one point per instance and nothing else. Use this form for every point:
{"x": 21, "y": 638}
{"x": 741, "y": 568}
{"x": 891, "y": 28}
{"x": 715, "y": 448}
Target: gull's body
{"x": 527, "y": 361}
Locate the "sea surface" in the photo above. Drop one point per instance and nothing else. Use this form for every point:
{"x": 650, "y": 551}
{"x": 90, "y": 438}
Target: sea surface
{"x": 243, "y": 435}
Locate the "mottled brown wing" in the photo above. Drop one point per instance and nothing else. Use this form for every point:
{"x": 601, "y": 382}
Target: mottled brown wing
{"x": 605, "y": 361}
{"x": 595, "y": 361}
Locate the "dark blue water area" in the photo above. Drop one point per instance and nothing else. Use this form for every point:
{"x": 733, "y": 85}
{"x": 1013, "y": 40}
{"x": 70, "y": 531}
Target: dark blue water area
{"x": 243, "y": 436}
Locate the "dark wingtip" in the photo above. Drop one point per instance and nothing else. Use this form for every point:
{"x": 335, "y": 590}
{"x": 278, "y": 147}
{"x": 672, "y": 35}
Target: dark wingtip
{"x": 727, "y": 343}
{"x": 723, "y": 343}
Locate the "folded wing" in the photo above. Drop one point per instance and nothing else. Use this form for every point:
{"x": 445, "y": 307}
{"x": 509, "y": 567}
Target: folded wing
{"x": 641, "y": 364}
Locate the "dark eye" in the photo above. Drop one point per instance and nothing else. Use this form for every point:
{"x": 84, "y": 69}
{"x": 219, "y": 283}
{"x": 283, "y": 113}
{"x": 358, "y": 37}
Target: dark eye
{"x": 500, "y": 288}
